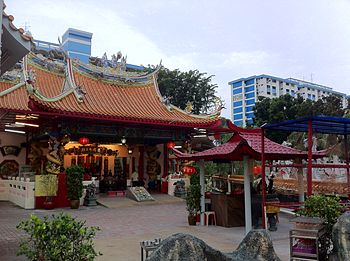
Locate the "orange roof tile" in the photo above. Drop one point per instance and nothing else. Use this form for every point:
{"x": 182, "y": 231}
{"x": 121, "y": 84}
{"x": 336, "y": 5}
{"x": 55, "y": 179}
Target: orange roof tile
{"x": 117, "y": 101}
{"x": 16, "y": 100}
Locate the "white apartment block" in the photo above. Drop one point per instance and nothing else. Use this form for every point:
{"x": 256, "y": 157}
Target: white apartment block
{"x": 245, "y": 92}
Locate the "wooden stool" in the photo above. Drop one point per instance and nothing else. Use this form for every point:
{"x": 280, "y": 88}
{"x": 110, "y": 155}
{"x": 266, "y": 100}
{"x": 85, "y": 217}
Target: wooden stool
{"x": 208, "y": 214}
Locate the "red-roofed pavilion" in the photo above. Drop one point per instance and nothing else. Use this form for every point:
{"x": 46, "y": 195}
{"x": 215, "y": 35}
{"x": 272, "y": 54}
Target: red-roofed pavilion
{"x": 245, "y": 144}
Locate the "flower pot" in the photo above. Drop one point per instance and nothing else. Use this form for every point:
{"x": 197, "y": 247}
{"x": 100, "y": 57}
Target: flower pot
{"x": 74, "y": 203}
{"x": 192, "y": 220}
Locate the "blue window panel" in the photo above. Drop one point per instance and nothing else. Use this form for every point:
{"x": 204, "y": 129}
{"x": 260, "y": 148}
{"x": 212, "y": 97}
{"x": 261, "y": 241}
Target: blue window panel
{"x": 293, "y": 93}
{"x": 238, "y": 123}
{"x": 250, "y": 121}
{"x": 237, "y": 104}
{"x": 250, "y": 95}
{"x": 309, "y": 96}
{"x": 268, "y": 89}
{"x": 238, "y": 116}
{"x": 250, "y": 108}
{"x": 237, "y": 84}
{"x": 77, "y": 47}
{"x": 250, "y": 102}
{"x": 238, "y": 110}
{"x": 249, "y": 115}
{"x": 79, "y": 37}
{"x": 249, "y": 82}
{"x": 273, "y": 89}
{"x": 249, "y": 89}
{"x": 236, "y": 91}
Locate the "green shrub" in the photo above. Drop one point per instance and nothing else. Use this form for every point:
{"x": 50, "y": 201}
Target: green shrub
{"x": 327, "y": 207}
{"x": 56, "y": 239}
{"x": 74, "y": 178}
{"x": 193, "y": 196}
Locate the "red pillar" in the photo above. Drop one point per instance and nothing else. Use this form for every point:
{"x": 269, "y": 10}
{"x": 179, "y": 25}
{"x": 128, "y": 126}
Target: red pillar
{"x": 309, "y": 159}
{"x": 166, "y": 161}
{"x": 263, "y": 177}
{"x": 347, "y": 162}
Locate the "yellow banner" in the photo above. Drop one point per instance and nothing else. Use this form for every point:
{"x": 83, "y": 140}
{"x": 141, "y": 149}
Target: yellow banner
{"x": 46, "y": 185}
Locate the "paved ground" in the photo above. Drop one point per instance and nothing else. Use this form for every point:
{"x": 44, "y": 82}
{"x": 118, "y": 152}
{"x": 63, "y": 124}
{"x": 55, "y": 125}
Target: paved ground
{"x": 124, "y": 225}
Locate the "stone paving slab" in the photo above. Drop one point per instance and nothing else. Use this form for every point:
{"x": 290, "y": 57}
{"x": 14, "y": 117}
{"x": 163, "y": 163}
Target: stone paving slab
{"x": 123, "y": 228}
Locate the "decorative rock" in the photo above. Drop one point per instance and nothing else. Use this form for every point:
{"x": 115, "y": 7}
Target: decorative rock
{"x": 257, "y": 245}
{"x": 341, "y": 237}
{"x": 186, "y": 247}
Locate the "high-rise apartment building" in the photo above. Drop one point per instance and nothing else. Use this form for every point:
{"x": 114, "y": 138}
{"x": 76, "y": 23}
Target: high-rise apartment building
{"x": 245, "y": 93}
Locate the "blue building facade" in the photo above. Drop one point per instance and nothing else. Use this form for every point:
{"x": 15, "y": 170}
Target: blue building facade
{"x": 77, "y": 43}
{"x": 245, "y": 93}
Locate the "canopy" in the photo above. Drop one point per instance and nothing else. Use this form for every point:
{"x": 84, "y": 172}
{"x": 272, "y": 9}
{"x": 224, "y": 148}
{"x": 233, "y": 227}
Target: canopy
{"x": 320, "y": 124}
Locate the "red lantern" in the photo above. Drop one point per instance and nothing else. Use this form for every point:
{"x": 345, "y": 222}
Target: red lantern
{"x": 170, "y": 145}
{"x": 189, "y": 170}
{"x": 84, "y": 141}
{"x": 257, "y": 170}
{"x": 217, "y": 136}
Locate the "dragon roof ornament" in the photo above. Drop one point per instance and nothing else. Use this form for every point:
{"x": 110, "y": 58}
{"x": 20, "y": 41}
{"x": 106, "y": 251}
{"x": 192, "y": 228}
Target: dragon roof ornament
{"x": 114, "y": 70}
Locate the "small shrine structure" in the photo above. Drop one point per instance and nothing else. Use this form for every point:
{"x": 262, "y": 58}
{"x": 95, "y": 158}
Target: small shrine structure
{"x": 245, "y": 145}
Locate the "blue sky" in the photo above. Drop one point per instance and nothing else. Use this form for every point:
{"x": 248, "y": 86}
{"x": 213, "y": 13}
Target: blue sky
{"x": 229, "y": 39}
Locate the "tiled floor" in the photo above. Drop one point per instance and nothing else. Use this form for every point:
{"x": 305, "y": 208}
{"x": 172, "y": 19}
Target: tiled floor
{"x": 125, "y": 225}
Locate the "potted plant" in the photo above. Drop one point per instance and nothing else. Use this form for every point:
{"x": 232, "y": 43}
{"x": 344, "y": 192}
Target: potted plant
{"x": 193, "y": 199}
{"x": 74, "y": 181}
{"x": 59, "y": 238}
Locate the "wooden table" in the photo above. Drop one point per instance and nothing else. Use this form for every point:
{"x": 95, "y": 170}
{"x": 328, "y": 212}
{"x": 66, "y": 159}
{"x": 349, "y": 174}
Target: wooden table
{"x": 229, "y": 209}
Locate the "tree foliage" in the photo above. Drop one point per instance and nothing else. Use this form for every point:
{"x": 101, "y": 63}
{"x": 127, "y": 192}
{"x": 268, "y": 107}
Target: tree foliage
{"x": 286, "y": 107}
{"x": 192, "y": 86}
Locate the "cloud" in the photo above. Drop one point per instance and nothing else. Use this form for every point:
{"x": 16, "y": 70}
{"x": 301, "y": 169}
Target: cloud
{"x": 245, "y": 58}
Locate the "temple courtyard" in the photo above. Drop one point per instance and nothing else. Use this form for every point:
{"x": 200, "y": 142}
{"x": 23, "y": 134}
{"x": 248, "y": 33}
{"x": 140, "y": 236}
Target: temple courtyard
{"x": 124, "y": 223}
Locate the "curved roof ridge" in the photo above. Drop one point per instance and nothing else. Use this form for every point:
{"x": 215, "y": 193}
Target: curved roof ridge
{"x": 106, "y": 73}
{"x": 68, "y": 85}
{"x": 11, "y": 89}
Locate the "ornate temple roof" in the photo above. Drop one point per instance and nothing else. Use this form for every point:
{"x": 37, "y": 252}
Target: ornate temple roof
{"x": 66, "y": 87}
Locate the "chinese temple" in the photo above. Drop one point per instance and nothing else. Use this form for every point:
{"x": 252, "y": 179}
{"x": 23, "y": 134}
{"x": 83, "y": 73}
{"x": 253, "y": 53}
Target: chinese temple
{"x": 111, "y": 121}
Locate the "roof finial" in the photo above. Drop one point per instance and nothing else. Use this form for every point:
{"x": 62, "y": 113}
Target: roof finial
{"x": 189, "y": 107}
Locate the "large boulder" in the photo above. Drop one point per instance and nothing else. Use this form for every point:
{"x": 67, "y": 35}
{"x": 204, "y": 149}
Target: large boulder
{"x": 257, "y": 245}
{"x": 184, "y": 247}
{"x": 341, "y": 237}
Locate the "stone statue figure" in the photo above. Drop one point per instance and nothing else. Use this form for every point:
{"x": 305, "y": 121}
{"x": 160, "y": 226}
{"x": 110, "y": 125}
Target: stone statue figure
{"x": 90, "y": 197}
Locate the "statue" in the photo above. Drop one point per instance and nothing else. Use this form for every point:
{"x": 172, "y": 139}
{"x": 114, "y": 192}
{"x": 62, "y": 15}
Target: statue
{"x": 90, "y": 197}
